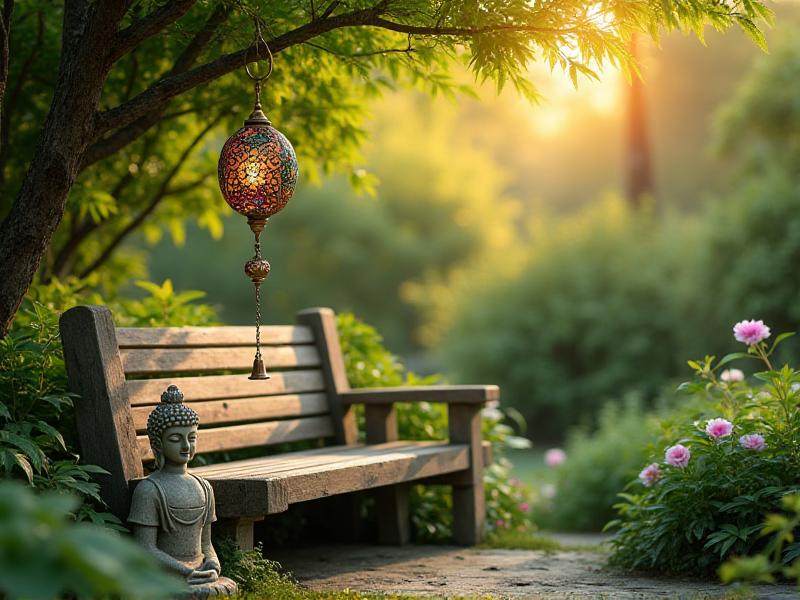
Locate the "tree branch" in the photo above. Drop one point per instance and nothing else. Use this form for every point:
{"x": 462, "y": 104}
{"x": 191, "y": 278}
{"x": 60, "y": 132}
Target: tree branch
{"x": 13, "y": 97}
{"x": 329, "y": 9}
{"x": 149, "y": 25}
{"x": 65, "y": 257}
{"x": 162, "y": 192}
{"x": 174, "y": 84}
{"x": 133, "y": 129}
{"x": 5, "y": 33}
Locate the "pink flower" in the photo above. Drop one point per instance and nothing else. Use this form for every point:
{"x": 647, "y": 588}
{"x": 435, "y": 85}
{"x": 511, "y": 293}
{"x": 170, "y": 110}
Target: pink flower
{"x": 719, "y": 428}
{"x": 650, "y": 474}
{"x": 677, "y": 456}
{"x": 750, "y": 332}
{"x": 500, "y": 523}
{"x": 753, "y": 441}
{"x": 731, "y": 375}
{"x": 524, "y": 506}
{"x": 554, "y": 457}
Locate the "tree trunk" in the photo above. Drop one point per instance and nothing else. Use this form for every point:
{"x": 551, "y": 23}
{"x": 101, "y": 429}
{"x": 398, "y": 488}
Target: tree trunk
{"x": 638, "y": 170}
{"x": 88, "y": 33}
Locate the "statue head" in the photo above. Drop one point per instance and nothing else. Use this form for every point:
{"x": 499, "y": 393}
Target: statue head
{"x": 172, "y": 429}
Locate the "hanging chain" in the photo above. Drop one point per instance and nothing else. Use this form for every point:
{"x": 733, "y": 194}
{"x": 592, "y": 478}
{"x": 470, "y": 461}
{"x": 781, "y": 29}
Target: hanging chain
{"x": 258, "y": 321}
{"x": 258, "y": 301}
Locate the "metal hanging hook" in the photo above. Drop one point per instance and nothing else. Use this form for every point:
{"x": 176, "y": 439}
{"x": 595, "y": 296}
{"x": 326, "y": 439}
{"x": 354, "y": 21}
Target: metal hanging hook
{"x": 258, "y": 41}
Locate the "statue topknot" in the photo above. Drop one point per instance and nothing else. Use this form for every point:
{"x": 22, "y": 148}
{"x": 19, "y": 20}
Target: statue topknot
{"x": 171, "y": 412}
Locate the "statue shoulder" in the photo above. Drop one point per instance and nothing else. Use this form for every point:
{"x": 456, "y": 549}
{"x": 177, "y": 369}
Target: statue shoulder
{"x": 146, "y": 504}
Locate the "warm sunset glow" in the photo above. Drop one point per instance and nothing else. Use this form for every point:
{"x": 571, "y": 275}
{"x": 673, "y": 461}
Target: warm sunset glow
{"x": 562, "y": 101}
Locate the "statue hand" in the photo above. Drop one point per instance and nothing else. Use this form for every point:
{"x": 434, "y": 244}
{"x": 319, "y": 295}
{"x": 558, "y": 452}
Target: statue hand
{"x": 202, "y": 576}
{"x": 210, "y": 564}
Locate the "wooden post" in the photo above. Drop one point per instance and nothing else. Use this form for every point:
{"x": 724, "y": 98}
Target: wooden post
{"x": 391, "y": 502}
{"x": 323, "y": 323}
{"x": 106, "y": 433}
{"x": 469, "y": 508}
{"x": 239, "y": 530}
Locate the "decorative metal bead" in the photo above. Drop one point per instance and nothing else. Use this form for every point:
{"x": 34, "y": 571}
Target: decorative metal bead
{"x": 257, "y": 269}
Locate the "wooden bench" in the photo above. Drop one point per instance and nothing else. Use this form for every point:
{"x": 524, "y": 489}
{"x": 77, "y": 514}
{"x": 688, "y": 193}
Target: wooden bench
{"x": 120, "y": 373}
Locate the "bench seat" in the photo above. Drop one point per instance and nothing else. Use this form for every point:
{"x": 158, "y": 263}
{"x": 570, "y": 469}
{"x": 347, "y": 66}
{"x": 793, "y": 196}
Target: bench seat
{"x": 268, "y": 485}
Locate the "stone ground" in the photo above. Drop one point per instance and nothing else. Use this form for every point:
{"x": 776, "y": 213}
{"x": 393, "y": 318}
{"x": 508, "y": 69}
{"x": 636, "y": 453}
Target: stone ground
{"x": 445, "y": 571}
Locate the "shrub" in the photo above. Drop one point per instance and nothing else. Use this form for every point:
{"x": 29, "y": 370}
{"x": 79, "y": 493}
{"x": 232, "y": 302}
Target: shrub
{"x": 587, "y": 320}
{"x": 704, "y": 500}
{"x": 582, "y": 490}
{"x": 45, "y": 555}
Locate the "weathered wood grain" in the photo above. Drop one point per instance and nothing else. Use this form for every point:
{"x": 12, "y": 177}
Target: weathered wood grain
{"x": 139, "y": 361}
{"x": 209, "y": 337}
{"x": 237, "y": 410}
{"x": 105, "y": 426}
{"x": 220, "y": 387}
{"x": 255, "y": 434}
{"x": 461, "y": 394}
{"x": 322, "y": 322}
{"x": 359, "y": 468}
{"x": 469, "y": 507}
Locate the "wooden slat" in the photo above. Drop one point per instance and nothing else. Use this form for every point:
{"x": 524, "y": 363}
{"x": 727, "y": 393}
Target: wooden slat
{"x": 138, "y": 361}
{"x": 236, "y": 410}
{"x": 209, "y": 337}
{"x": 278, "y": 463}
{"x": 451, "y": 394}
{"x": 218, "y": 387}
{"x": 355, "y": 468}
{"x": 256, "y": 434}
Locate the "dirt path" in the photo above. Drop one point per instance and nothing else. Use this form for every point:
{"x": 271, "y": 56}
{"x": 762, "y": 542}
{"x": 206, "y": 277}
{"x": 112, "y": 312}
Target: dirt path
{"x": 447, "y": 571}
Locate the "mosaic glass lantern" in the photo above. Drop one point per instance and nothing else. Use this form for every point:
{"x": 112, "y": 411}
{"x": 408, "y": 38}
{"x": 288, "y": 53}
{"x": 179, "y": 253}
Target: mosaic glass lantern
{"x": 257, "y": 176}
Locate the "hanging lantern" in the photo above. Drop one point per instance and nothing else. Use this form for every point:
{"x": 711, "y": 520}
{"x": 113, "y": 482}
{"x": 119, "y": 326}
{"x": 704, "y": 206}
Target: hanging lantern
{"x": 257, "y": 175}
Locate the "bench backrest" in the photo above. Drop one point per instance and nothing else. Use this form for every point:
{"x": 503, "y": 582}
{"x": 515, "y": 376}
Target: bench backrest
{"x": 120, "y": 374}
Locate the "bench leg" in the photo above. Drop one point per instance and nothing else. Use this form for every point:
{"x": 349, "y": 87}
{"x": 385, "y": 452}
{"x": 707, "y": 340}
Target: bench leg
{"x": 239, "y": 530}
{"x": 394, "y": 524}
{"x": 469, "y": 505}
{"x": 469, "y": 514}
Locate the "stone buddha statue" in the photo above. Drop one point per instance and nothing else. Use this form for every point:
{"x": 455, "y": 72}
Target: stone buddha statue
{"x": 172, "y": 509}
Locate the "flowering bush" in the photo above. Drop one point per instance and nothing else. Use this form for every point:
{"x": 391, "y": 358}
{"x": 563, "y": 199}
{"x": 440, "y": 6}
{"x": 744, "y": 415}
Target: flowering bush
{"x": 706, "y": 499}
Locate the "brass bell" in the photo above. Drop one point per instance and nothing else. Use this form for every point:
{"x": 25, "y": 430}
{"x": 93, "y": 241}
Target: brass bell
{"x": 259, "y": 371}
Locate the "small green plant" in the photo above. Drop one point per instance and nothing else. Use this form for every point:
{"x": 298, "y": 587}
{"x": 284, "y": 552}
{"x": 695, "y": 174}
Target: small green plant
{"x": 44, "y": 554}
{"x": 705, "y": 500}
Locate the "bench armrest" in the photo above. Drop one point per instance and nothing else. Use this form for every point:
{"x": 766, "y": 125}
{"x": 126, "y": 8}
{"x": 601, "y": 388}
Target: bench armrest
{"x": 449, "y": 394}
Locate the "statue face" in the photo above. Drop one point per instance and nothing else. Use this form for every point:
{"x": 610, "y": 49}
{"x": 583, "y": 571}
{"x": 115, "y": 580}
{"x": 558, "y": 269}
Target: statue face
{"x": 179, "y": 444}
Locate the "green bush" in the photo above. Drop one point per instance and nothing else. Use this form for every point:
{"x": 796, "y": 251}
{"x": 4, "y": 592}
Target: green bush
{"x": 694, "y": 516}
{"x": 593, "y": 315}
{"x": 582, "y": 490}
{"x": 45, "y": 555}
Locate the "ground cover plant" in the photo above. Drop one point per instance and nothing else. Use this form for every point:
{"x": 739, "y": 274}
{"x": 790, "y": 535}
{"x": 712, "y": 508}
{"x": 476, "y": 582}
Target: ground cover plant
{"x": 705, "y": 498}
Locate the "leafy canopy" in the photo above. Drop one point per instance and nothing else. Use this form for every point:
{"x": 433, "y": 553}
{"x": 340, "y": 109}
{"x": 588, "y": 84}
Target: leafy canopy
{"x": 172, "y": 98}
